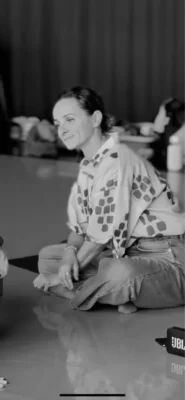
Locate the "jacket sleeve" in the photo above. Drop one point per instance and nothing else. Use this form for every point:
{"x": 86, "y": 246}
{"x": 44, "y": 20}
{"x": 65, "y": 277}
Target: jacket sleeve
{"x": 73, "y": 211}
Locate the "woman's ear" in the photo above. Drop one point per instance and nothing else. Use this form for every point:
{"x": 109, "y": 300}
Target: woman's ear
{"x": 97, "y": 118}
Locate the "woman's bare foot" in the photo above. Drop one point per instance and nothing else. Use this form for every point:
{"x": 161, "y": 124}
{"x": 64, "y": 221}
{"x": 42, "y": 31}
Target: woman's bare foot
{"x": 44, "y": 282}
{"x": 51, "y": 284}
{"x": 127, "y": 308}
{"x": 41, "y": 283}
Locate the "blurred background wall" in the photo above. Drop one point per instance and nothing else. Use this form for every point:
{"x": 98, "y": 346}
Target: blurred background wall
{"x": 131, "y": 51}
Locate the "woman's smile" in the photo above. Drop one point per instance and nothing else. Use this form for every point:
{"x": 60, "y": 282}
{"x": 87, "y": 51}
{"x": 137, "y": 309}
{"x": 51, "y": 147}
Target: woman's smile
{"x": 68, "y": 137}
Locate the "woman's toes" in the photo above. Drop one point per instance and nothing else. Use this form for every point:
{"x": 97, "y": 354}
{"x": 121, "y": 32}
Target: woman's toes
{"x": 41, "y": 283}
{"x": 36, "y": 280}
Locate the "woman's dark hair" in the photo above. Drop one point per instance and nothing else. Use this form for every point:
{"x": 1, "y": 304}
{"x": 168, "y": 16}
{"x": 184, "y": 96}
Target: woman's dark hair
{"x": 90, "y": 101}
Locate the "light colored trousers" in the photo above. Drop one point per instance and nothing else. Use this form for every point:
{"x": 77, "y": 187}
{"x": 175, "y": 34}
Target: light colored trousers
{"x": 150, "y": 275}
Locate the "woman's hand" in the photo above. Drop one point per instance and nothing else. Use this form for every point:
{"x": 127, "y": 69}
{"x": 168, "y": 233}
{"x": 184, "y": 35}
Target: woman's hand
{"x": 69, "y": 269}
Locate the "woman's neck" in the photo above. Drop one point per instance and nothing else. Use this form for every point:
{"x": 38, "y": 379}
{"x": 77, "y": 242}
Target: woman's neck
{"x": 93, "y": 144}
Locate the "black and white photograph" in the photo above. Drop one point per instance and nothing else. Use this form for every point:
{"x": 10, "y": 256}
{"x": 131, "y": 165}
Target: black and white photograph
{"x": 92, "y": 199}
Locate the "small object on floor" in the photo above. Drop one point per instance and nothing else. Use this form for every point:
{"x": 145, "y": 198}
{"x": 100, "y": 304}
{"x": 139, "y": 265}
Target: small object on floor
{"x": 4, "y": 266}
{"x": 161, "y": 341}
{"x": 3, "y": 382}
{"x": 175, "y": 341}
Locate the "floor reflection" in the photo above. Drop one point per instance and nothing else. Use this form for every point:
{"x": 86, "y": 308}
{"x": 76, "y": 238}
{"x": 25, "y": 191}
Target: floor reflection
{"x": 83, "y": 365}
{"x": 153, "y": 387}
{"x": 104, "y": 359}
{"x": 6, "y": 395}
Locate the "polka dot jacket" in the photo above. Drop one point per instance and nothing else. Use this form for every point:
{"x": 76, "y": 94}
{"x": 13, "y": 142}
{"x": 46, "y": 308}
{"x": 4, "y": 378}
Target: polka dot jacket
{"x": 118, "y": 197}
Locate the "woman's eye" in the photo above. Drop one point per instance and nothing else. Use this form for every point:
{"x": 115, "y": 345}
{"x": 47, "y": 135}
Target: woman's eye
{"x": 70, "y": 119}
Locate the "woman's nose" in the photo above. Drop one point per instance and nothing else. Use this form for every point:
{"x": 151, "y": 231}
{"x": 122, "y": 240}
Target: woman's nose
{"x": 62, "y": 130}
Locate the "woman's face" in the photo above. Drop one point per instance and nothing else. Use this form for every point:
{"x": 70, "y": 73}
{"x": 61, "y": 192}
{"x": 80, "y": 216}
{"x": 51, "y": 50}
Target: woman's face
{"x": 74, "y": 125}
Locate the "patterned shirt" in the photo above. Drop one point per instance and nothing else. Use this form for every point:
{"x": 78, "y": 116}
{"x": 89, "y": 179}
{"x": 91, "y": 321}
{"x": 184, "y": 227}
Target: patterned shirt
{"x": 119, "y": 197}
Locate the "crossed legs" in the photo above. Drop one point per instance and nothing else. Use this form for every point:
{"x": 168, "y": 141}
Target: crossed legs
{"x": 128, "y": 283}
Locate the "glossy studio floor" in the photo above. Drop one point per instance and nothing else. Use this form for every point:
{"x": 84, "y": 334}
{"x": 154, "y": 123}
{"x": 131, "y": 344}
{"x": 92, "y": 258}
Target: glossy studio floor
{"x": 46, "y": 348}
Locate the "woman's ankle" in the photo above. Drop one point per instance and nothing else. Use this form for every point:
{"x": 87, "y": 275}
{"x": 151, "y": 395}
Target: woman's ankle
{"x": 61, "y": 291}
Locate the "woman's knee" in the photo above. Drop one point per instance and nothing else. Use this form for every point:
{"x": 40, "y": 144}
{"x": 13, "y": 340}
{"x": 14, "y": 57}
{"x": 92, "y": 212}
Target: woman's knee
{"x": 49, "y": 259}
{"x": 53, "y": 251}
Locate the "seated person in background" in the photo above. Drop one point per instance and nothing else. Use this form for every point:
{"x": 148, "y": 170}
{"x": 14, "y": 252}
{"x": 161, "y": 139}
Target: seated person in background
{"x": 3, "y": 260}
{"x": 126, "y": 246}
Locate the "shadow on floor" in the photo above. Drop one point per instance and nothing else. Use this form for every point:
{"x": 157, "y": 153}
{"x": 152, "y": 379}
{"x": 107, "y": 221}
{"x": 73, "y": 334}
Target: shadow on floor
{"x": 29, "y": 263}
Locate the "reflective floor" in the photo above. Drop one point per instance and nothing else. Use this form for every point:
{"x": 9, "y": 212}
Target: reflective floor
{"x": 48, "y": 349}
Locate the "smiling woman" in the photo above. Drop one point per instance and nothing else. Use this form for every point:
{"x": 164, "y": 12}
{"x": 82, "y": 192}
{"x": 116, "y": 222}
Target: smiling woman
{"x": 126, "y": 245}
{"x": 77, "y": 115}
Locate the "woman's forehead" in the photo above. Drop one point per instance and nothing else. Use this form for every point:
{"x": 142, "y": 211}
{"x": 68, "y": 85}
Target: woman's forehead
{"x": 66, "y": 106}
